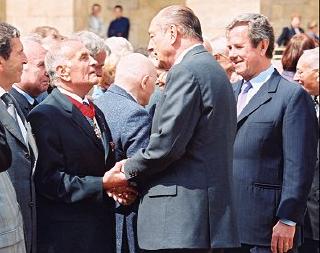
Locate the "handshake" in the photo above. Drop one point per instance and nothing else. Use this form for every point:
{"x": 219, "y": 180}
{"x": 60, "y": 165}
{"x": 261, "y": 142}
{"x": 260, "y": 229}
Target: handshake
{"x": 117, "y": 186}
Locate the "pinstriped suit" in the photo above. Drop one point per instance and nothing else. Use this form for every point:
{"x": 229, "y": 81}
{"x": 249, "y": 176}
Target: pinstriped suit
{"x": 274, "y": 158}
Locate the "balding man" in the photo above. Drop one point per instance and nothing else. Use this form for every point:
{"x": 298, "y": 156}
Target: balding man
{"x": 308, "y": 75}
{"x": 130, "y": 125}
{"x": 186, "y": 168}
{"x": 74, "y": 212}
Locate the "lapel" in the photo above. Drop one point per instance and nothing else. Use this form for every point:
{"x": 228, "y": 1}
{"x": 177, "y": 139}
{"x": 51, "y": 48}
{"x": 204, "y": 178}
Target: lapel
{"x": 105, "y": 132}
{"x": 237, "y": 88}
{"x": 264, "y": 95}
{"x": 10, "y": 124}
{"x": 76, "y": 116}
{"x": 22, "y": 101}
{"x": 121, "y": 92}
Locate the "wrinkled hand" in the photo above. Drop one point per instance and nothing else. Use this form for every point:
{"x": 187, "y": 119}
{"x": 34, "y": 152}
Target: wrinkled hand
{"x": 114, "y": 178}
{"x": 125, "y": 195}
{"x": 282, "y": 237}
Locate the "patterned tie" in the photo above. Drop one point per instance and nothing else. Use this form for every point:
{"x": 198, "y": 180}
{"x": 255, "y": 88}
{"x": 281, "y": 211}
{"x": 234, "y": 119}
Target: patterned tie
{"x": 8, "y": 100}
{"x": 243, "y": 96}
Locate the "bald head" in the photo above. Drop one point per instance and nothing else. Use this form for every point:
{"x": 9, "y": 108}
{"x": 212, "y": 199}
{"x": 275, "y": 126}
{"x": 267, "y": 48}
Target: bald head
{"x": 311, "y": 58}
{"x": 136, "y": 74}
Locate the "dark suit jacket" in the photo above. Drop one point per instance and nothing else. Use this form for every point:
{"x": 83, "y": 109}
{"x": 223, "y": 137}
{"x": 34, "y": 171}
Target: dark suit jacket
{"x": 187, "y": 165}
{"x": 130, "y": 126}
{"x": 286, "y": 34}
{"x": 22, "y": 101}
{"x": 5, "y": 152}
{"x": 274, "y": 158}
{"x": 21, "y": 171}
{"x": 74, "y": 213}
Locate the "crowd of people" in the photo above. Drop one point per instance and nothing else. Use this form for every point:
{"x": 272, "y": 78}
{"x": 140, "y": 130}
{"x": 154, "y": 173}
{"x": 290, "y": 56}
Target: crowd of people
{"x": 192, "y": 145}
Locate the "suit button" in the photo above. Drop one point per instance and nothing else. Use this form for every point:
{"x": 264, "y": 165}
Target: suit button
{"x": 31, "y": 204}
{"x": 26, "y": 155}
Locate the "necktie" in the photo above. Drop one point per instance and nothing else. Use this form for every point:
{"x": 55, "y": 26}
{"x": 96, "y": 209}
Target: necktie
{"x": 8, "y": 100}
{"x": 242, "y": 97}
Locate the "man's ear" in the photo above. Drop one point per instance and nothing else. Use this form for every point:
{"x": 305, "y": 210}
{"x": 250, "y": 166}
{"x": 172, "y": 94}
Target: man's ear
{"x": 263, "y": 46}
{"x": 64, "y": 73}
{"x": 2, "y": 61}
{"x": 144, "y": 82}
{"x": 173, "y": 33}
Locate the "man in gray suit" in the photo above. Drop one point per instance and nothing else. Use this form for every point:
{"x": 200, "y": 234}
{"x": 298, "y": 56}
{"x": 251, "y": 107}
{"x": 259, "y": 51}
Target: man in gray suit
{"x": 130, "y": 126}
{"x": 275, "y": 146}
{"x": 186, "y": 169}
{"x": 12, "y": 59}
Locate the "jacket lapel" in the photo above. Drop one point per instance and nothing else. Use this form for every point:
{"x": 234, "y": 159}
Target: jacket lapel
{"x": 76, "y": 116}
{"x": 105, "y": 132}
{"x": 264, "y": 95}
{"x": 22, "y": 101}
{"x": 10, "y": 124}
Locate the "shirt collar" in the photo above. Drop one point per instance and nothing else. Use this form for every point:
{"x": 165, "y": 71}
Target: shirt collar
{"x": 262, "y": 78}
{"x": 2, "y": 91}
{"x": 23, "y": 93}
{"x": 72, "y": 95}
{"x": 180, "y": 57}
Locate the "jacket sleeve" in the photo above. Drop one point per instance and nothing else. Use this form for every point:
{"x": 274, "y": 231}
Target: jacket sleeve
{"x": 178, "y": 117}
{"x": 51, "y": 179}
{"x": 283, "y": 36}
{"x": 300, "y": 136}
{"x": 5, "y": 152}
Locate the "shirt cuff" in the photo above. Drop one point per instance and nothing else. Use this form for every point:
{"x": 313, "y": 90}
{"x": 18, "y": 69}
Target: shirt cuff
{"x": 288, "y": 222}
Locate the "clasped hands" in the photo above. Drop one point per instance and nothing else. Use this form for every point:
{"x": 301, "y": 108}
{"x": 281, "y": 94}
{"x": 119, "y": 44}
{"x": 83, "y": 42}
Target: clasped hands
{"x": 117, "y": 186}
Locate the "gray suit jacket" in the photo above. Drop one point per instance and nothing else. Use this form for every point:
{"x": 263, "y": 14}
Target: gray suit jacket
{"x": 187, "y": 165}
{"x": 274, "y": 158}
{"x": 21, "y": 172}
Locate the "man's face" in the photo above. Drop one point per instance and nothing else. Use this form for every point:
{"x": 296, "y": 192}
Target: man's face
{"x": 96, "y": 10}
{"x": 12, "y": 67}
{"x": 308, "y": 78}
{"x": 100, "y": 58}
{"x": 34, "y": 78}
{"x": 244, "y": 57}
{"x": 117, "y": 12}
{"x": 150, "y": 86}
{"x": 160, "y": 45}
{"x": 295, "y": 22}
{"x": 82, "y": 67}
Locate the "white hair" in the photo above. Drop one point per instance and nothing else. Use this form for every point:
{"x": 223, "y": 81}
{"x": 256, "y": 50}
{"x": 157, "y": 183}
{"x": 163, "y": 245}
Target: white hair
{"x": 119, "y": 47}
{"x": 311, "y": 57}
{"x": 219, "y": 45}
{"x": 92, "y": 42}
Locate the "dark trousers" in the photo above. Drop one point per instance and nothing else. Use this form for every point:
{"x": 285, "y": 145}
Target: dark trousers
{"x": 184, "y": 251}
{"x": 309, "y": 246}
{"x": 254, "y": 249}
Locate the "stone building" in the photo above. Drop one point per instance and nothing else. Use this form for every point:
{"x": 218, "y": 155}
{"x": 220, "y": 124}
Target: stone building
{"x": 71, "y": 15}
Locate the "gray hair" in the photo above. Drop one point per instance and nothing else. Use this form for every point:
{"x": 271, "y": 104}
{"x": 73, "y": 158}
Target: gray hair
{"x": 7, "y": 32}
{"x": 259, "y": 28}
{"x": 184, "y": 18}
{"x": 119, "y": 47}
{"x": 34, "y": 37}
{"x": 92, "y": 42}
{"x": 56, "y": 56}
{"x": 311, "y": 57}
{"x": 219, "y": 45}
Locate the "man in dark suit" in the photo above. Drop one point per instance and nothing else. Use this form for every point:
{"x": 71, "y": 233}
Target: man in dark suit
{"x": 120, "y": 26}
{"x": 275, "y": 146}
{"x": 18, "y": 134}
{"x": 308, "y": 76}
{"x": 186, "y": 169}
{"x": 288, "y": 32}
{"x": 74, "y": 212}
{"x": 34, "y": 79}
{"x": 130, "y": 126}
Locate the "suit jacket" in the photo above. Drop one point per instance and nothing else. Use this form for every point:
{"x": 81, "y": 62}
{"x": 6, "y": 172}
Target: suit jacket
{"x": 5, "y": 152}
{"x": 274, "y": 158}
{"x": 74, "y": 213}
{"x": 187, "y": 166}
{"x": 286, "y": 34}
{"x": 130, "y": 126}
{"x": 22, "y": 101}
{"x": 21, "y": 171}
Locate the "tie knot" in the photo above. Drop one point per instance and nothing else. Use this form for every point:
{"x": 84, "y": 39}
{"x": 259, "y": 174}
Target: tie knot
{"x": 7, "y": 99}
{"x": 246, "y": 87}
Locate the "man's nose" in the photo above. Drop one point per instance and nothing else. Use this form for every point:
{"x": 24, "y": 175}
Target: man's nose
{"x": 92, "y": 61}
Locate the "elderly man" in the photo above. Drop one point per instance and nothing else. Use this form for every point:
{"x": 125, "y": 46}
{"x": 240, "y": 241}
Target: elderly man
{"x": 34, "y": 79}
{"x": 74, "y": 212}
{"x": 130, "y": 126}
{"x": 275, "y": 146}
{"x": 308, "y": 76}
{"x": 12, "y": 59}
{"x": 186, "y": 169}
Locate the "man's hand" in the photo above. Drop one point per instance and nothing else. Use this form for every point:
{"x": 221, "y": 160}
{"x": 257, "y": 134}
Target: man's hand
{"x": 114, "y": 178}
{"x": 125, "y": 195}
{"x": 282, "y": 237}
